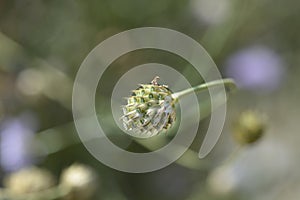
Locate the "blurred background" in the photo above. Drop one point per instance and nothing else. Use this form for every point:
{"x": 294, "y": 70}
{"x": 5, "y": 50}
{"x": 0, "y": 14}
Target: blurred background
{"x": 43, "y": 43}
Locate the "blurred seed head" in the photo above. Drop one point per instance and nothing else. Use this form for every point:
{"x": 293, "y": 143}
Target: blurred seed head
{"x": 29, "y": 180}
{"x": 249, "y": 127}
{"x": 212, "y": 12}
{"x": 149, "y": 110}
{"x": 222, "y": 181}
{"x": 31, "y": 82}
{"x": 81, "y": 180}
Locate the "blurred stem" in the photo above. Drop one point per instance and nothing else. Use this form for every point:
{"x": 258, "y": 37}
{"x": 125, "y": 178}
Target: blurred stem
{"x": 48, "y": 139}
{"x": 216, "y": 39}
{"x": 56, "y": 192}
{"x": 229, "y": 85}
{"x": 232, "y": 156}
{"x": 189, "y": 159}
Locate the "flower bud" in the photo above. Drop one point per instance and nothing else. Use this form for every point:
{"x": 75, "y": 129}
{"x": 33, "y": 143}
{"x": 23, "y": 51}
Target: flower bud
{"x": 149, "y": 110}
{"x": 249, "y": 128}
{"x": 222, "y": 181}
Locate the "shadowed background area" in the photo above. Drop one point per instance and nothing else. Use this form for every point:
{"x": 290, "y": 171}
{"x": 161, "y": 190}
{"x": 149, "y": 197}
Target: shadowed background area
{"x": 43, "y": 43}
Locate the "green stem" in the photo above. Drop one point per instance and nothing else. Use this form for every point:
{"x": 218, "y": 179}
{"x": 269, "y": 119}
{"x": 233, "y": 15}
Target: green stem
{"x": 229, "y": 85}
{"x": 56, "y": 192}
{"x": 233, "y": 156}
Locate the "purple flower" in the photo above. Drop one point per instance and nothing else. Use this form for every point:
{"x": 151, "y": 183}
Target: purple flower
{"x": 16, "y": 140}
{"x": 256, "y": 68}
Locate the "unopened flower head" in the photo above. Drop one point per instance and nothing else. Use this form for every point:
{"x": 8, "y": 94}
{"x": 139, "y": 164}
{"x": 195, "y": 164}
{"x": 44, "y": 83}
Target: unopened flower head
{"x": 250, "y": 127}
{"x": 150, "y": 109}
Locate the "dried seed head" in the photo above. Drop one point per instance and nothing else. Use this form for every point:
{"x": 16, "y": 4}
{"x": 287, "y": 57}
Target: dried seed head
{"x": 150, "y": 109}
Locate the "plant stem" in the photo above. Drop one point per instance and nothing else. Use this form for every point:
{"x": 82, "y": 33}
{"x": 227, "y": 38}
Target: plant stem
{"x": 229, "y": 85}
{"x": 56, "y": 192}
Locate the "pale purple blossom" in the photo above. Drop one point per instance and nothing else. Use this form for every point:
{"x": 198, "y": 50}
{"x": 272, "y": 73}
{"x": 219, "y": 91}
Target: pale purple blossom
{"x": 256, "y": 68}
{"x": 16, "y": 138}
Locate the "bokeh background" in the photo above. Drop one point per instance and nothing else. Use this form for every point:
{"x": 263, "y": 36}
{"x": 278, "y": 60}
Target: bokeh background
{"x": 42, "y": 44}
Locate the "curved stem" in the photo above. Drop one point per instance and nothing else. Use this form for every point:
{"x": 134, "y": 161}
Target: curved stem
{"x": 229, "y": 85}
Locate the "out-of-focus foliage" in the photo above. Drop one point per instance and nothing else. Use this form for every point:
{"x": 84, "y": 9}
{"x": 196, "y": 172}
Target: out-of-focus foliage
{"x": 42, "y": 44}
